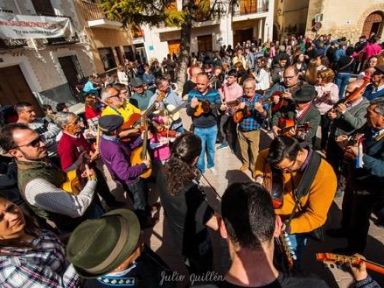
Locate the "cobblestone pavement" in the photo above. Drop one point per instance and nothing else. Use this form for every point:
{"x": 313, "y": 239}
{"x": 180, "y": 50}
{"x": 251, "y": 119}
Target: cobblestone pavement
{"x": 227, "y": 172}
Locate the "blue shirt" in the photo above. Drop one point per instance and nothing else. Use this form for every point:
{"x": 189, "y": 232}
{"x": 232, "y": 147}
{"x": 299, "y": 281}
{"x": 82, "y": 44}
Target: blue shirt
{"x": 90, "y": 88}
{"x": 255, "y": 120}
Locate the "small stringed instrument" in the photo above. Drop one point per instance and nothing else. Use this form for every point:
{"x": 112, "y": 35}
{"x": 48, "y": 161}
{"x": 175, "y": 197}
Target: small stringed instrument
{"x": 286, "y": 124}
{"x": 240, "y": 114}
{"x": 330, "y": 258}
{"x": 204, "y": 107}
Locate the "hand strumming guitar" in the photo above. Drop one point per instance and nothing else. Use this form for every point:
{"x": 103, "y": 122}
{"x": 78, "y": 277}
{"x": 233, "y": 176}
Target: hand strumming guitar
{"x": 194, "y": 102}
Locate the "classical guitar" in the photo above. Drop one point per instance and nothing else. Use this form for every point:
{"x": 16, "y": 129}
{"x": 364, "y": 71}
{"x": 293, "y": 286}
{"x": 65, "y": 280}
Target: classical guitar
{"x": 338, "y": 260}
{"x": 141, "y": 152}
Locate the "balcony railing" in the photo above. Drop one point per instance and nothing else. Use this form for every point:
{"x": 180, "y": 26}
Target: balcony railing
{"x": 12, "y": 43}
{"x": 90, "y": 11}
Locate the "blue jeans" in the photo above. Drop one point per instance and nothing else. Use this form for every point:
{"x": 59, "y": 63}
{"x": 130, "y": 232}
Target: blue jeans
{"x": 342, "y": 80}
{"x": 297, "y": 245}
{"x": 208, "y": 140}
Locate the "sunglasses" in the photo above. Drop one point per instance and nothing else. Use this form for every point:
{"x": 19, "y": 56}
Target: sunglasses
{"x": 34, "y": 143}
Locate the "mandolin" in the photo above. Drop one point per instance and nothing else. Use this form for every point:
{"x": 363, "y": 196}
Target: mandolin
{"x": 204, "y": 107}
{"x": 240, "y": 114}
{"x": 338, "y": 260}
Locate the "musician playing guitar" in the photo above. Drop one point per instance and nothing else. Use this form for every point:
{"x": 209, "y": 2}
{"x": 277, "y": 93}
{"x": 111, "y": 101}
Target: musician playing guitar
{"x": 116, "y": 156}
{"x": 306, "y": 112}
{"x": 230, "y": 92}
{"x": 285, "y": 108}
{"x": 73, "y": 151}
{"x": 365, "y": 180}
{"x": 118, "y": 105}
{"x": 207, "y": 102}
{"x": 170, "y": 98}
{"x": 249, "y": 126}
{"x": 307, "y": 187}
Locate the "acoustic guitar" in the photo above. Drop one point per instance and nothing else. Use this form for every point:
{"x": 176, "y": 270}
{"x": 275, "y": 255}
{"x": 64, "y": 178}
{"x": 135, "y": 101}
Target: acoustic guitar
{"x": 339, "y": 260}
{"x": 141, "y": 153}
{"x": 73, "y": 184}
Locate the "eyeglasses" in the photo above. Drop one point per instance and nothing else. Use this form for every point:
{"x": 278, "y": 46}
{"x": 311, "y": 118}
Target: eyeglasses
{"x": 34, "y": 143}
{"x": 115, "y": 95}
{"x": 288, "y": 168}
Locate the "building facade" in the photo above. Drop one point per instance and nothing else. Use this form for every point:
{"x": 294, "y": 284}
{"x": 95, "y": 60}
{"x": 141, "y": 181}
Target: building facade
{"x": 47, "y": 70}
{"x": 348, "y": 18}
{"x": 248, "y": 20}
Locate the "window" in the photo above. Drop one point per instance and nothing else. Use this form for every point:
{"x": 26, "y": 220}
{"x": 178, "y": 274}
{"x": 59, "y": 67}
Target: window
{"x": 43, "y": 7}
{"x": 106, "y": 56}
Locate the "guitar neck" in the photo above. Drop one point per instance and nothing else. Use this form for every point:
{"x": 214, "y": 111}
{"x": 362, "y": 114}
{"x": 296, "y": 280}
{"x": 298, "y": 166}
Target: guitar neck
{"x": 374, "y": 266}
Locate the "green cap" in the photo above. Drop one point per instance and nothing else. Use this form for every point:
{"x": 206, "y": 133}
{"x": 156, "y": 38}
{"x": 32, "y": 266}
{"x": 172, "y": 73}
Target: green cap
{"x": 97, "y": 247}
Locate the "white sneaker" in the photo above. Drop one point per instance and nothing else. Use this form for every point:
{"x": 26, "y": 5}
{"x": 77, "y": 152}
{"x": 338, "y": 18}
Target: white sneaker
{"x": 213, "y": 170}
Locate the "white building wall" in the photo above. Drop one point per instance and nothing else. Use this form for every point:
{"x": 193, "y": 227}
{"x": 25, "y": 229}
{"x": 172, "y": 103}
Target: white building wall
{"x": 222, "y": 33}
{"x": 40, "y": 63}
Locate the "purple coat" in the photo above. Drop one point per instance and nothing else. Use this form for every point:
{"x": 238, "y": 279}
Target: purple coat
{"x": 116, "y": 155}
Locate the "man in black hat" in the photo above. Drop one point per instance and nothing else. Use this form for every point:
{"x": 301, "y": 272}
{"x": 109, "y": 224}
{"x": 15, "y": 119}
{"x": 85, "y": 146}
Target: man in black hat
{"x": 116, "y": 156}
{"x": 109, "y": 252}
{"x": 141, "y": 95}
{"x": 307, "y": 116}
{"x": 376, "y": 88}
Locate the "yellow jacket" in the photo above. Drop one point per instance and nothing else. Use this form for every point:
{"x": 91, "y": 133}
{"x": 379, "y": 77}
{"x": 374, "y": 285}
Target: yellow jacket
{"x": 315, "y": 204}
{"x": 126, "y": 111}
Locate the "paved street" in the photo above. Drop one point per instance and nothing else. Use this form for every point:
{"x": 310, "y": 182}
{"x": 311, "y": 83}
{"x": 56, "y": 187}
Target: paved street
{"x": 228, "y": 172}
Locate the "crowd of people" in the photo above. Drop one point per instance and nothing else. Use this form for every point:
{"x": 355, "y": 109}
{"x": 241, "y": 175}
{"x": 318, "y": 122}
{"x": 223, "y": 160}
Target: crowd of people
{"x": 321, "y": 101}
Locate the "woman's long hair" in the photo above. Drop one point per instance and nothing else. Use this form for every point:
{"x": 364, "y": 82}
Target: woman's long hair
{"x": 180, "y": 169}
{"x": 30, "y": 228}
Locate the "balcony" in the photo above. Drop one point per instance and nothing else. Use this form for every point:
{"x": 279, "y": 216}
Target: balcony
{"x": 246, "y": 7}
{"x": 12, "y": 43}
{"x": 95, "y": 16}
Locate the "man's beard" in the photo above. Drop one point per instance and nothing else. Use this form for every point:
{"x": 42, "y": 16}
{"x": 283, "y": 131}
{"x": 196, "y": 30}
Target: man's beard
{"x": 27, "y": 157}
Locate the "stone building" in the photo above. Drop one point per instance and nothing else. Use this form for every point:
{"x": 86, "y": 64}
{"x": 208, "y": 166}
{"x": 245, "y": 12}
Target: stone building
{"x": 347, "y": 18}
{"x": 247, "y": 20}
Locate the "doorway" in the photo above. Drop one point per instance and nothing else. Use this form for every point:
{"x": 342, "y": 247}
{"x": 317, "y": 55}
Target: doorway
{"x": 204, "y": 43}
{"x": 373, "y": 24}
{"x": 240, "y": 36}
{"x": 14, "y": 88}
{"x": 72, "y": 71}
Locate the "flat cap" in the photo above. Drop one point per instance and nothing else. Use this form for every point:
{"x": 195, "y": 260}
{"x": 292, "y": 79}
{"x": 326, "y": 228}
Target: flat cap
{"x": 110, "y": 123}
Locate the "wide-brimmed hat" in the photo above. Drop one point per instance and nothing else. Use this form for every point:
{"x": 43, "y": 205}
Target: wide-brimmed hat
{"x": 305, "y": 93}
{"x": 97, "y": 247}
{"x": 110, "y": 123}
{"x": 137, "y": 82}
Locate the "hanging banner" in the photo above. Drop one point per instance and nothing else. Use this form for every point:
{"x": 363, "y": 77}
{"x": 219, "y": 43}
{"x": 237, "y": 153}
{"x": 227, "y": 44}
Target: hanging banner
{"x": 32, "y": 27}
